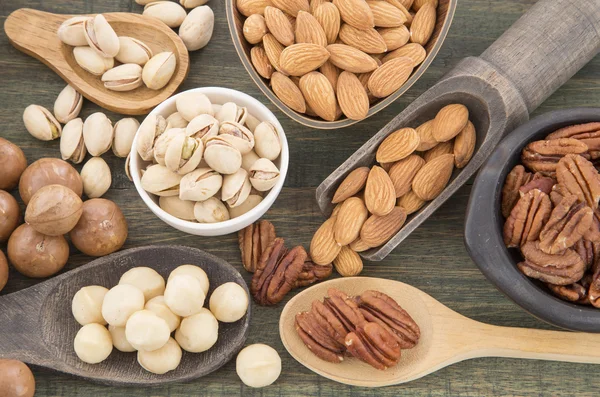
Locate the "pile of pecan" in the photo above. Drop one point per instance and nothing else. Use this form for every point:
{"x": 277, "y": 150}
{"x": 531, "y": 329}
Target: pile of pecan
{"x": 276, "y": 269}
{"x": 552, "y": 215}
{"x": 371, "y": 327}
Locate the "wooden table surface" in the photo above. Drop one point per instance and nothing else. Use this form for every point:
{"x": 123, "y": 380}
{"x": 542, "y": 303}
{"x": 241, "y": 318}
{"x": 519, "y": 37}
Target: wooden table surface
{"x": 433, "y": 258}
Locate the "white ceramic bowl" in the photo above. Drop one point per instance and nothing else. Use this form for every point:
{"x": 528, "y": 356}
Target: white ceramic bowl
{"x": 217, "y": 96}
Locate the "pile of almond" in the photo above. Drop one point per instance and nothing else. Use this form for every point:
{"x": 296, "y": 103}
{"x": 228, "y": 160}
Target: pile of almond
{"x": 414, "y": 166}
{"x": 328, "y": 58}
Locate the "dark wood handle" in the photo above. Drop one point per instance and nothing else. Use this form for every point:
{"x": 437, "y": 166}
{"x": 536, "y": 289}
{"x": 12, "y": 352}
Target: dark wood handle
{"x": 547, "y": 46}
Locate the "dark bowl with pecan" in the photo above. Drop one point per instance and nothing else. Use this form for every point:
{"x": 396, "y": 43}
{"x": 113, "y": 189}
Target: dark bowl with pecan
{"x": 546, "y": 211}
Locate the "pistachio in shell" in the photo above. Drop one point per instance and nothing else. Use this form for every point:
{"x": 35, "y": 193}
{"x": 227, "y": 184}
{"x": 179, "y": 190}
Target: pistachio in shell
{"x": 96, "y": 177}
{"x": 158, "y": 70}
{"x": 173, "y": 205}
{"x": 151, "y": 128}
{"x": 37, "y": 255}
{"x": 53, "y": 210}
{"x": 100, "y": 36}
{"x": 203, "y": 126}
{"x": 266, "y": 141}
{"x": 10, "y": 215}
{"x": 162, "y": 143}
{"x": 252, "y": 201}
{"x": 183, "y": 154}
{"x": 71, "y": 32}
{"x": 48, "y": 171}
{"x": 222, "y": 156}
{"x": 200, "y": 184}
{"x": 97, "y": 133}
{"x": 12, "y": 163}
{"x": 40, "y": 123}
{"x": 236, "y": 188}
{"x": 92, "y": 62}
{"x": 3, "y": 270}
{"x": 68, "y": 104}
{"x": 102, "y": 228}
{"x": 237, "y": 135}
{"x": 125, "y": 77}
{"x": 170, "y": 13}
{"x": 175, "y": 120}
{"x": 252, "y": 122}
{"x": 123, "y": 133}
{"x": 263, "y": 174}
{"x": 132, "y": 50}
{"x": 249, "y": 159}
{"x": 192, "y": 104}
{"x": 159, "y": 180}
{"x": 197, "y": 28}
{"x": 231, "y": 111}
{"x": 211, "y": 210}
{"x": 72, "y": 145}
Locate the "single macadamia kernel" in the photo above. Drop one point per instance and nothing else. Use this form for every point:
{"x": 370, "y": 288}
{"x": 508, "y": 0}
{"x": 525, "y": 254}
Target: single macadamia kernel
{"x": 258, "y": 365}
{"x": 146, "y": 279}
{"x": 163, "y": 360}
{"x": 146, "y": 331}
{"x": 120, "y": 302}
{"x": 229, "y": 302}
{"x": 93, "y": 343}
{"x": 199, "y": 332}
{"x": 192, "y": 270}
{"x": 119, "y": 340}
{"x": 158, "y": 306}
{"x": 87, "y": 305}
{"x": 184, "y": 295}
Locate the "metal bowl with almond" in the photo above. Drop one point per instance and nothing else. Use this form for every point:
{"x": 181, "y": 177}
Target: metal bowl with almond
{"x": 331, "y": 64}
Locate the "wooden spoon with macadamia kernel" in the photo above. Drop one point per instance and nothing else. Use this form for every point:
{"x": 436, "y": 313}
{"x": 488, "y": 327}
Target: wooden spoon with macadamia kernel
{"x": 36, "y": 33}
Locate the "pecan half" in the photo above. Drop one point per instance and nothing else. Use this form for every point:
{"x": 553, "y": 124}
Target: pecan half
{"x": 516, "y": 178}
{"x": 588, "y": 252}
{"x": 323, "y": 314}
{"x": 372, "y": 344}
{"x": 527, "y": 218}
{"x": 345, "y": 309}
{"x": 557, "y": 194}
{"x": 540, "y": 182}
{"x": 594, "y": 289}
{"x": 575, "y": 292}
{"x": 253, "y": 240}
{"x": 318, "y": 339}
{"x": 579, "y": 177}
{"x": 543, "y": 156}
{"x": 311, "y": 273}
{"x": 588, "y": 133}
{"x": 593, "y": 234}
{"x": 567, "y": 224}
{"x": 559, "y": 269}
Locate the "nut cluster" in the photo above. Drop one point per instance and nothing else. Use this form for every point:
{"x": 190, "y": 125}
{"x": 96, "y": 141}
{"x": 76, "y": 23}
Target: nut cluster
{"x": 371, "y": 327}
{"x": 203, "y": 149}
{"x": 372, "y": 204}
{"x": 551, "y": 208}
{"x": 325, "y": 59}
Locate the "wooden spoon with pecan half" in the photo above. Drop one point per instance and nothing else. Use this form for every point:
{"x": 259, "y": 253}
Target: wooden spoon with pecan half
{"x": 446, "y": 337}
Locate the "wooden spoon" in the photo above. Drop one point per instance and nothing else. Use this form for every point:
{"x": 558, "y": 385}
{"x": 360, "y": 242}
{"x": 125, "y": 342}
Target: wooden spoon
{"x": 34, "y": 33}
{"x": 446, "y": 337}
{"x": 37, "y": 326}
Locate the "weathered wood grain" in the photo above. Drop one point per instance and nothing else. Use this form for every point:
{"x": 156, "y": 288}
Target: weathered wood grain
{"x": 432, "y": 258}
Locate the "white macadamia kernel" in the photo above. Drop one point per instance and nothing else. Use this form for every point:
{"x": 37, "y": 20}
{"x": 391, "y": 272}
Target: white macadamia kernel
{"x": 184, "y": 295}
{"x": 158, "y": 306}
{"x": 258, "y": 365}
{"x": 146, "y": 331}
{"x": 93, "y": 343}
{"x": 120, "y": 302}
{"x": 192, "y": 270}
{"x": 87, "y": 305}
{"x": 229, "y": 302}
{"x": 163, "y": 360}
{"x": 198, "y": 333}
{"x": 119, "y": 340}
{"x": 146, "y": 279}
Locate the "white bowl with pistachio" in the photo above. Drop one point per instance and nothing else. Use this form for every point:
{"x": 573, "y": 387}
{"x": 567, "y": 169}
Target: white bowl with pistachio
{"x": 209, "y": 161}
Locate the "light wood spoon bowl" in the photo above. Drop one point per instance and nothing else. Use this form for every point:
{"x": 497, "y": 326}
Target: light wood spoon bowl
{"x": 34, "y": 33}
{"x": 446, "y": 337}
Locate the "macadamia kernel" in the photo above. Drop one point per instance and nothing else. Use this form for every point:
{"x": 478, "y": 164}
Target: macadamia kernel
{"x": 119, "y": 340}
{"x": 93, "y": 343}
{"x": 198, "y": 333}
{"x": 258, "y": 365}
{"x": 120, "y": 302}
{"x": 146, "y": 331}
{"x": 229, "y": 302}
{"x": 87, "y": 305}
{"x": 192, "y": 270}
{"x": 158, "y": 306}
{"x": 163, "y": 360}
{"x": 184, "y": 295}
{"x": 146, "y": 279}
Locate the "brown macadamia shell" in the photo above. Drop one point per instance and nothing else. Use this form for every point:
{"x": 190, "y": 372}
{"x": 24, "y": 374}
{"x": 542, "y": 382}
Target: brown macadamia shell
{"x": 54, "y": 210}
{"x": 36, "y": 255}
{"x": 3, "y": 270}
{"x": 49, "y": 171}
{"x": 16, "y": 379}
{"x": 12, "y": 164}
{"x": 101, "y": 230}
{"x": 10, "y": 215}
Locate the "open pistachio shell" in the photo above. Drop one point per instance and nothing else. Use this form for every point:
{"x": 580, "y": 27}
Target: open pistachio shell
{"x": 211, "y": 210}
{"x": 40, "y": 123}
{"x": 222, "y": 156}
{"x": 183, "y": 154}
{"x": 71, "y": 31}
{"x": 203, "y": 126}
{"x": 162, "y": 143}
{"x": 91, "y": 61}
{"x": 72, "y": 146}
{"x": 175, "y": 120}
{"x": 192, "y": 104}
{"x": 158, "y": 70}
{"x": 159, "y": 180}
{"x": 67, "y": 105}
{"x": 123, "y": 134}
{"x": 200, "y": 184}
{"x": 96, "y": 177}
{"x": 152, "y": 127}
{"x": 181, "y": 209}
{"x": 170, "y": 13}
{"x": 230, "y": 111}
{"x": 100, "y": 36}
{"x": 124, "y": 77}
{"x": 263, "y": 174}
{"x": 97, "y": 134}
{"x": 236, "y": 188}
{"x": 252, "y": 201}
{"x": 239, "y": 136}
{"x": 132, "y": 50}
{"x": 266, "y": 141}
{"x": 248, "y": 160}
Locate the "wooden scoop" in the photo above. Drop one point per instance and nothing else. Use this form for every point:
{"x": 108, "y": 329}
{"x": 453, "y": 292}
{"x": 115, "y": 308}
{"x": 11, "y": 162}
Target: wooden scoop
{"x": 37, "y": 326}
{"x": 446, "y": 337}
{"x": 34, "y": 33}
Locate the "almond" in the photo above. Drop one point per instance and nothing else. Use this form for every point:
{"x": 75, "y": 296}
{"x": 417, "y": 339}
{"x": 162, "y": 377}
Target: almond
{"x": 394, "y": 38}
{"x": 464, "y": 145}
{"x": 279, "y": 26}
{"x": 386, "y": 15}
{"x": 398, "y": 145}
{"x": 358, "y": 245}
{"x": 319, "y": 95}
{"x": 250, "y": 7}
{"x": 352, "y": 96}
{"x": 323, "y": 247}
{"x": 299, "y": 59}
{"x": 331, "y": 72}
{"x": 273, "y": 49}
{"x": 410, "y": 202}
{"x": 423, "y": 24}
{"x": 349, "y": 220}
{"x": 380, "y": 196}
{"x": 292, "y": 7}
{"x": 369, "y": 40}
{"x": 261, "y": 63}
{"x": 314, "y": 4}
{"x": 390, "y": 76}
{"x": 403, "y": 172}
{"x": 351, "y": 59}
{"x": 426, "y": 139}
{"x": 254, "y": 28}
{"x": 403, "y": 6}
{"x": 356, "y": 13}
{"x": 449, "y": 121}
{"x": 364, "y": 80}
{"x": 309, "y": 30}
{"x": 288, "y": 92}
{"x": 352, "y": 184}
{"x": 377, "y": 230}
{"x": 414, "y": 51}
{"x": 348, "y": 263}
{"x": 433, "y": 177}
{"x": 417, "y": 4}
{"x": 439, "y": 150}
{"x": 329, "y": 17}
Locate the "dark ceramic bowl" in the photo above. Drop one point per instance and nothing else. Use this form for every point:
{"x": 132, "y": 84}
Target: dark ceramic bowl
{"x": 484, "y": 222}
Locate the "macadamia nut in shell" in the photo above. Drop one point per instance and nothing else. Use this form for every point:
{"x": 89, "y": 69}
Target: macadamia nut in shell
{"x": 184, "y": 295}
{"x": 10, "y": 215}
{"x": 16, "y": 379}
{"x": 12, "y": 164}
{"x": 146, "y": 331}
{"x": 146, "y": 279}
{"x": 87, "y": 305}
{"x": 229, "y": 302}
{"x": 198, "y": 333}
{"x": 163, "y": 360}
{"x": 48, "y": 171}
{"x": 54, "y": 210}
{"x": 258, "y": 365}
{"x": 93, "y": 343}
{"x": 120, "y": 302}
{"x": 3, "y": 270}
{"x": 158, "y": 306}
{"x": 192, "y": 270}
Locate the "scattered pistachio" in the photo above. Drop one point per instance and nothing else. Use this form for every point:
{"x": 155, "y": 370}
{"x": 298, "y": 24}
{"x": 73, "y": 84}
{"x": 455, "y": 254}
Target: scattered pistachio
{"x": 211, "y": 210}
{"x": 172, "y": 14}
{"x": 158, "y": 70}
{"x": 197, "y": 28}
{"x": 90, "y": 61}
{"x": 132, "y": 50}
{"x": 72, "y": 146}
{"x": 97, "y": 134}
{"x": 263, "y": 174}
{"x": 100, "y": 36}
{"x": 68, "y": 104}
{"x": 96, "y": 177}
{"x": 123, "y": 134}
{"x": 40, "y": 123}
